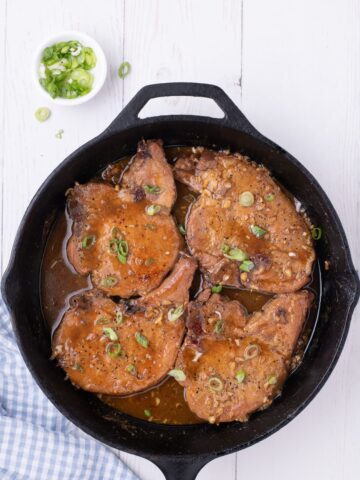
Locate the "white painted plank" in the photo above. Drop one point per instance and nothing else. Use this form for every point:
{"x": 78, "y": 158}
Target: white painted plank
{"x": 31, "y": 150}
{"x": 301, "y": 88}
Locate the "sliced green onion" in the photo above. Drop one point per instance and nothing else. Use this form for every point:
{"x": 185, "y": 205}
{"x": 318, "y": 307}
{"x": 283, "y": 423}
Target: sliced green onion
{"x": 116, "y": 233}
{"x": 246, "y": 199}
{"x": 150, "y": 226}
{"x": 77, "y": 366}
{"x": 269, "y": 197}
{"x": 108, "y": 281}
{"x": 147, "y": 412}
{"x": 216, "y": 288}
{"x": 257, "y": 231}
{"x": 59, "y": 134}
{"x": 88, "y": 241}
{"x": 215, "y": 384}
{"x": 113, "y": 349}
{"x": 124, "y": 69}
{"x": 113, "y": 245}
{"x": 141, "y": 339}
{"x": 233, "y": 253}
{"x": 272, "y": 380}
{"x": 103, "y": 320}
{"x": 119, "y": 317}
{"x": 149, "y": 261}
{"x": 131, "y": 369}
{"x": 251, "y": 351}
{"x": 181, "y": 229}
{"x": 178, "y": 374}
{"x": 247, "y": 266}
{"x": 189, "y": 198}
{"x": 152, "y": 210}
{"x": 175, "y": 313}
{"x": 240, "y": 375}
{"x": 110, "y": 333}
{"x": 154, "y": 189}
{"x": 316, "y": 233}
{"x": 42, "y": 114}
{"x": 219, "y": 326}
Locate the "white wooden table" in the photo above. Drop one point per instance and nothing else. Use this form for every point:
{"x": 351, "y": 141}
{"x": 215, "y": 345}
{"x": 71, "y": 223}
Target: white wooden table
{"x": 293, "y": 67}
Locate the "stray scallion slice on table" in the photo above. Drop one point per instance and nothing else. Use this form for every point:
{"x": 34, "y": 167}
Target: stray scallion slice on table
{"x": 59, "y": 134}
{"x": 175, "y": 313}
{"x": 42, "y": 114}
{"x": 152, "y": 210}
{"x": 178, "y": 374}
{"x": 257, "y": 231}
{"x": 141, "y": 339}
{"x": 124, "y": 69}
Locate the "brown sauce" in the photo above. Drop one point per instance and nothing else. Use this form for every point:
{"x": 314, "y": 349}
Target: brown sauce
{"x": 164, "y": 403}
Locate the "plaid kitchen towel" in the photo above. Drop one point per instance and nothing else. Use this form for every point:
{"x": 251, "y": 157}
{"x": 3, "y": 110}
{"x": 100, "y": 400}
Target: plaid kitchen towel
{"x": 36, "y": 441}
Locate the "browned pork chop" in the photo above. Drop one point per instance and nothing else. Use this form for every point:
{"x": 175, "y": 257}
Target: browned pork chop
{"x": 120, "y": 349}
{"x": 126, "y": 238}
{"x": 233, "y": 363}
{"x": 243, "y": 229}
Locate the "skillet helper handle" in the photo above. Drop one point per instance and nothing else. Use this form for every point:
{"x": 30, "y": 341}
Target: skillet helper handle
{"x": 233, "y": 117}
{"x": 181, "y": 468}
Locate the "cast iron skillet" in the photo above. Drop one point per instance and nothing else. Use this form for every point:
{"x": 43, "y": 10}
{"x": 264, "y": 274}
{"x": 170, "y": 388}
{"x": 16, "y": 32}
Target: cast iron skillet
{"x": 179, "y": 451}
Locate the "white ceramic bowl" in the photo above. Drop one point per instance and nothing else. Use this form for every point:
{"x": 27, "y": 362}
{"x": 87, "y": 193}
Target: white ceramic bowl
{"x": 99, "y": 71}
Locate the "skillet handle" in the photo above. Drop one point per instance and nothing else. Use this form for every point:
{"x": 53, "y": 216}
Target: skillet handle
{"x": 181, "y": 468}
{"x": 233, "y": 117}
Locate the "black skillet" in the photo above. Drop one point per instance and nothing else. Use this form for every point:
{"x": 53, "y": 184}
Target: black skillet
{"x": 179, "y": 451}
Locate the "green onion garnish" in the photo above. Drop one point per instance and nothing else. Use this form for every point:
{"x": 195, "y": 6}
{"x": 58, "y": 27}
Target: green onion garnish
{"x": 247, "y": 266}
{"x": 110, "y": 333}
{"x": 108, "y": 281}
{"x": 147, "y": 413}
{"x": 246, "y": 199}
{"x": 42, "y": 114}
{"x": 124, "y": 69}
{"x": 116, "y": 233}
{"x": 118, "y": 246}
{"x": 88, "y": 241}
{"x": 316, "y": 233}
{"x": 219, "y": 326}
{"x": 149, "y": 261}
{"x": 64, "y": 69}
{"x": 272, "y": 380}
{"x": 215, "y": 384}
{"x": 59, "y": 134}
{"x": 77, "y": 366}
{"x": 178, "y": 374}
{"x": 113, "y": 349}
{"x": 189, "y": 198}
{"x": 257, "y": 231}
{"x": 181, "y": 229}
{"x": 103, "y": 320}
{"x": 269, "y": 197}
{"x": 216, "y": 288}
{"x": 131, "y": 369}
{"x": 240, "y": 375}
{"x": 175, "y": 313}
{"x": 154, "y": 189}
{"x": 233, "y": 253}
{"x": 152, "y": 210}
{"x": 251, "y": 351}
{"x": 141, "y": 339}
{"x": 119, "y": 317}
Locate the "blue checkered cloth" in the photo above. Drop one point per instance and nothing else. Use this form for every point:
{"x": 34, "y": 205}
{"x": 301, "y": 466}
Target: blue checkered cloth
{"x": 36, "y": 441}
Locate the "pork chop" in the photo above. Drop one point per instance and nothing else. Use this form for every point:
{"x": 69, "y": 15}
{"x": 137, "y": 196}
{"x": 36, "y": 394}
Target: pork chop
{"x": 124, "y": 240}
{"x": 243, "y": 229}
{"x": 231, "y": 363}
{"x": 124, "y": 348}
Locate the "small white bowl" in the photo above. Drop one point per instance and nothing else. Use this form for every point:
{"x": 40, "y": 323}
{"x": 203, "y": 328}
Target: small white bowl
{"x": 99, "y": 71}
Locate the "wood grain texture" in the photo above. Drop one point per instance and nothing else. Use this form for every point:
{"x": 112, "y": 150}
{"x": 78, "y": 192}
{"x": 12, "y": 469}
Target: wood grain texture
{"x": 292, "y": 67}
